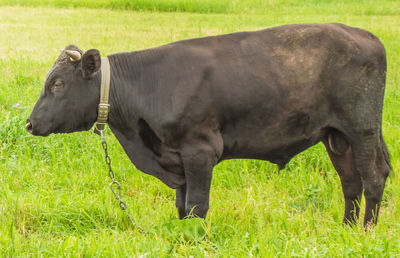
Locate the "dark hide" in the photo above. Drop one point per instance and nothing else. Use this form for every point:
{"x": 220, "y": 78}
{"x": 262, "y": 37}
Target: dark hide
{"x": 181, "y": 108}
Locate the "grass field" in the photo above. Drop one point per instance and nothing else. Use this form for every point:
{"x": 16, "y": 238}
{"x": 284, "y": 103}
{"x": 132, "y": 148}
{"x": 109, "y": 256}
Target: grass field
{"x": 54, "y": 195}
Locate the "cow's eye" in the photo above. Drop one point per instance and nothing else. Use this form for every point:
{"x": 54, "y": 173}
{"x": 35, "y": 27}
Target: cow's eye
{"x": 58, "y": 84}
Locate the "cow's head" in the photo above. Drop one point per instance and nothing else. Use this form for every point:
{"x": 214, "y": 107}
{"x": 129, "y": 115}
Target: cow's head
{"x": 69, "y": 99}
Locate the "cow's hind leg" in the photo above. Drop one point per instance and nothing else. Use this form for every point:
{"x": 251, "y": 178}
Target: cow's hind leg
{"x": 373, "y": 164}
{"x": 341, "y": 155}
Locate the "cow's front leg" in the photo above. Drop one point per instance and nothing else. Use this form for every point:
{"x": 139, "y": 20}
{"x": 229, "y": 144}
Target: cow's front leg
{"x": 180, "y": 201}
{"x": 198, "y": 166}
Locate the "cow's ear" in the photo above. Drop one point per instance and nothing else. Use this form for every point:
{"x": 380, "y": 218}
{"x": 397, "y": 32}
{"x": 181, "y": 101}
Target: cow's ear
{"x": 91, "y": 62}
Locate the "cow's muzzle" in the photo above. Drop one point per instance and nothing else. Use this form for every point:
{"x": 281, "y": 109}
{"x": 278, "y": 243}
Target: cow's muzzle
{"x": 29, "y": 126}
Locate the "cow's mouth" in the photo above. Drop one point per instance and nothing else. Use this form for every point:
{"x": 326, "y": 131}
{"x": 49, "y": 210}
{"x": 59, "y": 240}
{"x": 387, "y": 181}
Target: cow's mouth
{"x": 30, "y": 128}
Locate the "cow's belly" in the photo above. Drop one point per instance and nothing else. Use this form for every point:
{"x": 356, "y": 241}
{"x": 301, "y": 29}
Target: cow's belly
{"x": 277, "y": 144}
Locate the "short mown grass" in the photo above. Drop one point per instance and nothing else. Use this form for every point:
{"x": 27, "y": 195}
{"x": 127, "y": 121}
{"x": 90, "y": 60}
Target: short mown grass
{"x": 338, "y": 7}
{"x": 54, "y": 195}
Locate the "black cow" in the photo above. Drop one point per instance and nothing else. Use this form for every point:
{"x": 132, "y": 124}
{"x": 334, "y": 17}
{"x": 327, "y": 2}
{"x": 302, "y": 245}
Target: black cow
{"x": 181, "y": 108}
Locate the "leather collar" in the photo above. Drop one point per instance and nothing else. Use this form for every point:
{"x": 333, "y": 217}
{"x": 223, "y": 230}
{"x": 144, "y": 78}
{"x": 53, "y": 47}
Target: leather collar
{"x": 104, "y": 106}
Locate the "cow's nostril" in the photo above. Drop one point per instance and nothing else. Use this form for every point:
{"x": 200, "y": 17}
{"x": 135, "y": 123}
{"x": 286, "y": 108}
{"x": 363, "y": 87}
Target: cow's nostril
{"x": 29, "y": 127}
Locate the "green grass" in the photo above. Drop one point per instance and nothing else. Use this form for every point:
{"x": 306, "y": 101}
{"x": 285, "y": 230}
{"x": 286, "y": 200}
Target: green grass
{"x": 343, "y": 7}
{"x": 54, "y": 195}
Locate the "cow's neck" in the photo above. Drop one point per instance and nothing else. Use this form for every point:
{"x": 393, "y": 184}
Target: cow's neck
{"x": 129, "y": 72}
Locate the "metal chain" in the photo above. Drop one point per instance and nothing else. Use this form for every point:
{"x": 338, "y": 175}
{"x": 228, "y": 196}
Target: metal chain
{"x": 114, "y": 183}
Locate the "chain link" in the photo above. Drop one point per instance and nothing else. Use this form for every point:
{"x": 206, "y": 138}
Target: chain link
{"x": 114, "y": 183}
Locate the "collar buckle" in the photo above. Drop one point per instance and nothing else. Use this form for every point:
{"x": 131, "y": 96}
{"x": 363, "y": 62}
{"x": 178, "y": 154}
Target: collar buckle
{"x": 103, "y": 111}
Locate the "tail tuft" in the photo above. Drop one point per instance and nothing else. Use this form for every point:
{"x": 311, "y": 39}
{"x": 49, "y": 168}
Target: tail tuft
{"x": 386, "y": 153}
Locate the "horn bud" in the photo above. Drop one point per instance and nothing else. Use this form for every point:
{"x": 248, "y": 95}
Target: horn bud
{"x": 73, "y": 55}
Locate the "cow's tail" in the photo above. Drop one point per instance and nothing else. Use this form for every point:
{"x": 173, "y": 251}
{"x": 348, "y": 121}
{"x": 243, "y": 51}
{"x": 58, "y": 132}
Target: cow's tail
{"x": 385, "y": 151}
